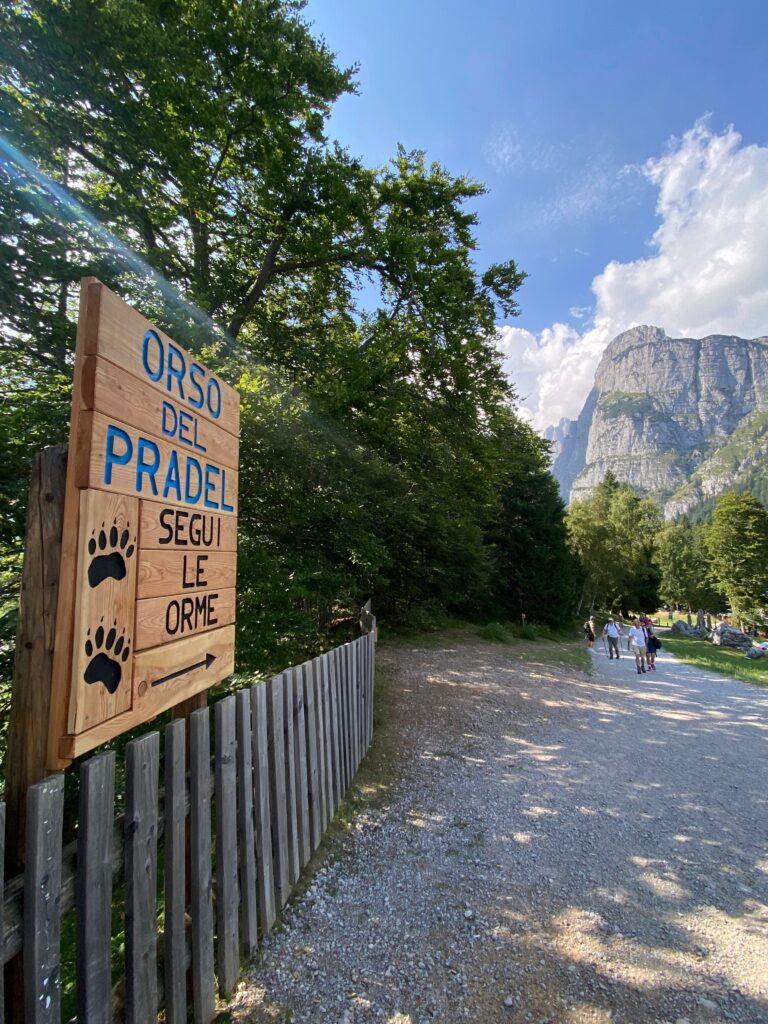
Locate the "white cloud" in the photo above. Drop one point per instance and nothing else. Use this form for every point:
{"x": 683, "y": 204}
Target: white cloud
{"x": 706, "y": 274}
{"x": 579, "y": 312}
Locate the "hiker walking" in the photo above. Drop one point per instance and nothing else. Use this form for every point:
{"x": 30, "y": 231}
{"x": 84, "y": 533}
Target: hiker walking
{"x": 612, "y": 633}
{"x": 638, "y": 639}
{"x": 589, "y": 631}
{"x": 652, "y": 644}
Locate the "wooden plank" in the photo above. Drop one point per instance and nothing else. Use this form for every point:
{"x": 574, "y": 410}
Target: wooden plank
{"x": 245, "y": 827}
{"x": 160, "y": 620}
{"x": 117, "y": 335}
{"x": 168, "y": 573}
{"x": 277, "y": 788}
{"x": 42, "y": 890}
{"x": 175, "y": 944}
{"x": 155, "y": 413}
{"x": 168, "y": 528}
{"x": 209, "y": 657}
{"x": 327, "y": 739}
{"x": 94, "y": 889}
{"x": 343, "y": 678}
{"x": 291, "y": 800}
{"x": 111, "y": 455}
{"x": 322, "y": 765}
{"x": 312, "y": 761}
{"x": 264, "y": 867}
{"x": 201, "y": 901}
{"x": 227, "y": 894}
{"x": 102, "y": 659}
{"x": 302, "y": 769}
{"x": 141, "y": 806}
{"x": 335, "y": 729}
{"x": 372, "y": 672}
{"x": 354, "y": 695}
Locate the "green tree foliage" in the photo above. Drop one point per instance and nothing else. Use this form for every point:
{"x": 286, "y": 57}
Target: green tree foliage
{"x": 737, "y": 542}
{"x": 684, "y": 566}
{"x": 613, "y": 536}
{"x": 380, "y": 453}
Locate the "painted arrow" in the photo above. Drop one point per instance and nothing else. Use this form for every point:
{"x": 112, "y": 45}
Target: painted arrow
{"x": 207, "y": 661}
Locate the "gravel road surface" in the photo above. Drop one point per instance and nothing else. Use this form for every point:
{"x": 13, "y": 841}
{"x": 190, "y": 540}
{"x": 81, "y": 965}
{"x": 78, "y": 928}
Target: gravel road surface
{"x": 539, "y": 846}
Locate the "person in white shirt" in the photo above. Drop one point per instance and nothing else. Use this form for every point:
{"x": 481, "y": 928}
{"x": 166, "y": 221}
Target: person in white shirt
{"x": 638, "y": 639}
{"x": 612, "y": 631}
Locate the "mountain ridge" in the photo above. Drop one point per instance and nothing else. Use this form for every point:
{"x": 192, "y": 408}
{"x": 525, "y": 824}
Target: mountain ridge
{"x": 661, "y": 410}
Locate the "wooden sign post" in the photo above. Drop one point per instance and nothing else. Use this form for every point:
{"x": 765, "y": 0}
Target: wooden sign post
{"x": 146, "y": 605}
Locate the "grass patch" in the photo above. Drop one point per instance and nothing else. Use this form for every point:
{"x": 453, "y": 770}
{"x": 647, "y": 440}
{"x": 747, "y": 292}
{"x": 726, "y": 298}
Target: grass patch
{"x": 729, "y": 662}
{"x": 496, "y": 633}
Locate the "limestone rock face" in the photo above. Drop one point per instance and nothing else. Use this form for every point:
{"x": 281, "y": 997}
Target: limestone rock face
{"x": 683, "y": 419}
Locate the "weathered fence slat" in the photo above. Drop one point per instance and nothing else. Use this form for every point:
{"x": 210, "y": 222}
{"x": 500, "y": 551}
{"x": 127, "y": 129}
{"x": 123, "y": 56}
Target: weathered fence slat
{"x": 300, "y": 760}
{"x": 42, "y": 887}
{"x": 94, "y": 889}
{"x": 294, "y": 865}
{"x": 175, "y": 947}
{"x": 141, "y": 793}
{"x": 313, "y": 771}
{"x": 201, "y": 908}
{"x": 277, "y": 794}
{"x": 245, "y": 827}
{"x": 346, "y": 702}
{"x": 354, "y": 681}
{"x": 227, "y": 911}
{"x": 323, "y": 752}
{"x": 264, "y": 868}
{"x": 335, "y": 729}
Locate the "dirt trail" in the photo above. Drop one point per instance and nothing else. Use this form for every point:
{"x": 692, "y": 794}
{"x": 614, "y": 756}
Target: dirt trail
{"x": 548, "y": 848}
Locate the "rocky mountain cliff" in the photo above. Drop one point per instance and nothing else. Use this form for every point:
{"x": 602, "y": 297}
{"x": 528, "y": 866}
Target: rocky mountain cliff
{"x": 683, "y": 419}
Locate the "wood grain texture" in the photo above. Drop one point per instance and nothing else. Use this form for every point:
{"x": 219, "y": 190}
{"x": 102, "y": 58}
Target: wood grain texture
{"x": 141, "y": 810}
{"x": 154, "y": 412}
{"x": 33, "y": 701}
{"x": 246, "y": 836}
{"x": 152, "y": 666}
{"x": 227, "y": 890}
{"x": 303, "y": 834}
{"x": 161, "y": 620}
{"x": 91, "y": 465}
{"x": 169, "y": 528}
{"x": 102, "y": 658}
{"x": 277, "y": 788}
{"x": 175, "y": 943}
{"x": 168, "y": 573}
{"x": 291, "y": 795}
{"x": 94, "y": 889}
{"x": 201, "y": 880}
{"x": 116, "y": 334}
{"x": 42, "y": 893}
{"x": 261, "y": 792}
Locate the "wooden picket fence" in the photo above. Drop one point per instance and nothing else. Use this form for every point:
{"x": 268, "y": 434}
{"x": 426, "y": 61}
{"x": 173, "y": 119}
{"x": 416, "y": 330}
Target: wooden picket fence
{"x": 226, "y": 836}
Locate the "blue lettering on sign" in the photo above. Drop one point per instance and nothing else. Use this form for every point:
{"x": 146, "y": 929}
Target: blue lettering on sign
{"x": 149, "y": 346}
{"x": 198, "y": 400}
{"x": 144, "y": 467}
{"x": 189, "y": 497}
{"x": 224, "y": 506}
{"x": 168, "y": 425}
{"x": 164, "y": 362}
{"x": 176, "y": 476}
{"x": 112, "y": 456}
{"x": 172, "y": 480}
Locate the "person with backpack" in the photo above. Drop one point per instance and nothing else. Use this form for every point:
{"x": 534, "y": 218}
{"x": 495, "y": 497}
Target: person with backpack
{"x": 652, "y": 645}
{"x": 638, "y": 639}
{"x": 589, "y": 631}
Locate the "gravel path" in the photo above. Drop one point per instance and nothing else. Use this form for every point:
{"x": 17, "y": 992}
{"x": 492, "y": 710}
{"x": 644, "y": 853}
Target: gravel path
{"x": 541, "y": 847}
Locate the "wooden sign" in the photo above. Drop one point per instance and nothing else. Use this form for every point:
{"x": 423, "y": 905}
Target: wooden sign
{"x": 146, "y": 605}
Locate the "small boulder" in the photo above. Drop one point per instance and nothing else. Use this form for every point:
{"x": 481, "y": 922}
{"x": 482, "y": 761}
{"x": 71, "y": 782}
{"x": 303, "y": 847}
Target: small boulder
{"x": 756, "y": 652}
{"x": 681, "y": 628}
{"x": 728, "y": 636}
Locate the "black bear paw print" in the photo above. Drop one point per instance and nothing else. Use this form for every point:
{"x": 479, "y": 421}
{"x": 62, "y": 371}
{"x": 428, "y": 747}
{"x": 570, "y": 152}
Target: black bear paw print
{"x": 114, "y": 547}
{"x": 108, "y": 652}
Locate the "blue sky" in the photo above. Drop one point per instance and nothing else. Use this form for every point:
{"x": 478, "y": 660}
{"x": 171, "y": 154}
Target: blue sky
{"x": 556, "y": 106}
